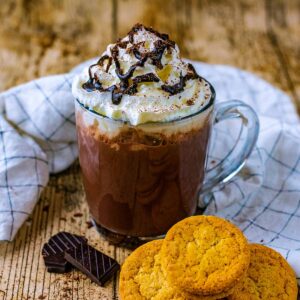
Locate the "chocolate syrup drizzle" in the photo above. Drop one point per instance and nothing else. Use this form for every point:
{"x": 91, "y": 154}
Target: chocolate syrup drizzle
{"x": 155, "y": 56}
{"x": 179, "y": 87}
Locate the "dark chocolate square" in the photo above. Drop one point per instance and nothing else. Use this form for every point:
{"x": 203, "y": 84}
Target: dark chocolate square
{"x": 96, "y": 265}
{"x": 53, "y": 251}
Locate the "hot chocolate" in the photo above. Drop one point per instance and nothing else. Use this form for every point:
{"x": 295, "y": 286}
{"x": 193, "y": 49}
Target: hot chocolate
{"x": 143, "y": 118}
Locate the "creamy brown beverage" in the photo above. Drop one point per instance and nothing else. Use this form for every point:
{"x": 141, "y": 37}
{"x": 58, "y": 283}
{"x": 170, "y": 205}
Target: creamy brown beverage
{"x": 143, "y": 118}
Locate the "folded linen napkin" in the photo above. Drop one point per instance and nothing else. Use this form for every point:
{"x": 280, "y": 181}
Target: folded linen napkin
{"x": 38, "y": 137}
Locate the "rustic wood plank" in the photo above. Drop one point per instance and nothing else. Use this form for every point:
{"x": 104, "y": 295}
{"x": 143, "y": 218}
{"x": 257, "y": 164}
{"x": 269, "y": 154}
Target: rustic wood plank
{"x": 45, "y": 37}
{"x": 277, "y": 22}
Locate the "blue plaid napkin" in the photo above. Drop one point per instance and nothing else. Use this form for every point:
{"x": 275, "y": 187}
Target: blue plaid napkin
{"x": 37, "y": 137}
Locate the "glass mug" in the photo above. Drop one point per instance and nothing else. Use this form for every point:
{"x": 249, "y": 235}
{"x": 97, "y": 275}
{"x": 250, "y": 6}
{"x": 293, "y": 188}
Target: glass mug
{"x": 140, "y": 180}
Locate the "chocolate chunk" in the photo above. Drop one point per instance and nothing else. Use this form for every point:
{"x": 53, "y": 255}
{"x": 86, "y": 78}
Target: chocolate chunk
{"x": 53, "y": 251}
{"x": 96, "y": 265}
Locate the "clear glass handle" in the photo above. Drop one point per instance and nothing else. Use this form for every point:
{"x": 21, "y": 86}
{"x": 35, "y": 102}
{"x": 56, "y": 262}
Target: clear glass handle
{"x": 235, "y": 159}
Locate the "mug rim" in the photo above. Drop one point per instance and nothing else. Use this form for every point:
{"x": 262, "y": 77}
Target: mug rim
{"x": 203, "y": 109}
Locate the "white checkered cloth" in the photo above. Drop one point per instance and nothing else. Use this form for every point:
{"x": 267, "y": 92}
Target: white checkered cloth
{"x": 263, "y": 199}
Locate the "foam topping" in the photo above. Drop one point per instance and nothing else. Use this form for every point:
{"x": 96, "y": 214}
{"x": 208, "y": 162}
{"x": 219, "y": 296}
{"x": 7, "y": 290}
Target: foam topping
{"x": 142, "y": 79}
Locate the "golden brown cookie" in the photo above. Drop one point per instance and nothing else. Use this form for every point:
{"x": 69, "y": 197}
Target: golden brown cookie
{"x": 142, "y": 277}
{"x": 269, "y": 277}
{"x": 205, "y": 255}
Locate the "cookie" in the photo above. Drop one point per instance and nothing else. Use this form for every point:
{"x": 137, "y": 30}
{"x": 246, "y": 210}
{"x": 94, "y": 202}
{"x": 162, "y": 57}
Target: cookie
{"x": 142, "y": 277}
{"x": 269, "y": 277}
{"x": 205, "y": 255}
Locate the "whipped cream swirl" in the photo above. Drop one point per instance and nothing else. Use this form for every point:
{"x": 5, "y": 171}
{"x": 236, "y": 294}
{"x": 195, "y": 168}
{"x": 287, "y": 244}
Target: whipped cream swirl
{"x": 142, "y": 79}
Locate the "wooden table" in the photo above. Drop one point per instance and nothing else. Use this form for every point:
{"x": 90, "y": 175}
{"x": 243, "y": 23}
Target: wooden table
{"x": 46, "y": 37}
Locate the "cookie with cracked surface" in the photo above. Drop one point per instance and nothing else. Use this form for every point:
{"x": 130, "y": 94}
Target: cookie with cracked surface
{"x": 141, "y": 277}
{"x": 205, "y": 255}
{"x": 269, "y": 277}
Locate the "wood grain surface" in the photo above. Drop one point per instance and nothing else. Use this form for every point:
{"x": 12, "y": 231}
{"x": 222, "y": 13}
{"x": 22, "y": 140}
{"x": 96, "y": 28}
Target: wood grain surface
{"x": 40, "y": 37}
